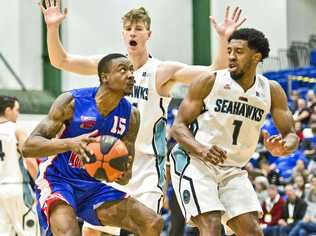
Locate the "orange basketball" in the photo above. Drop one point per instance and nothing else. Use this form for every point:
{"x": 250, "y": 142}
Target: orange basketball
{"x": 110, "y": 158}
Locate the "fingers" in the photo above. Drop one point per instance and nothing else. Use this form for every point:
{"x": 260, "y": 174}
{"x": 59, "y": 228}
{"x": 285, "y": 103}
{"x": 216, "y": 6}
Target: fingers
{"x": 213, "y": 21}
{"x": 84, "y": 153}
{"x": 65, "y": 12}
{"x": 265, "y": 135}
{"x": 40, "y": 4}
{"x": 58, "y": 4}
{"x": 47, "y": 4}
{"x": 93, "y": 133}
{"x": 241, "y": 22}
{"x": 227, "y": 12}
{"x": 235, "y": 13}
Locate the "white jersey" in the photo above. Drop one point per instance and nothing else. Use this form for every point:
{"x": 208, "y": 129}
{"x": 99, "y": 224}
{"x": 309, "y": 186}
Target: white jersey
{"x": 9, "y": 156}
{"x": 233, "y": 117}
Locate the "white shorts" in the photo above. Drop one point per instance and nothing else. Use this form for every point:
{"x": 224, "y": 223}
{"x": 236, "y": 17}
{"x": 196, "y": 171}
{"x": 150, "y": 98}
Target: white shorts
{"x": 15, "y": 217}
{"x": 144, "y": 186}
{"x": 201, "y": 188}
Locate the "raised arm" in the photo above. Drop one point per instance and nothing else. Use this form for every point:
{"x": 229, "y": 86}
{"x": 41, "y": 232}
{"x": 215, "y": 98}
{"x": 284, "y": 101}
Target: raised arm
{"x": 287, "y": 141}
{"x": 58, "y": 56}
{"x": 189, "y": 110}
{"x": 171, "y": 73}
{"x": 129, "y": 140}
{"x": 224, "y": 31}
{"x": 42, "y": 141}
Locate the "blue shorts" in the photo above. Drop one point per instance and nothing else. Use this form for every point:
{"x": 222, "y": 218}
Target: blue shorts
{"x": 83, "y": 194}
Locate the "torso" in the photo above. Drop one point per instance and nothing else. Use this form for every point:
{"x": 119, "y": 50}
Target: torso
{"x": 233, "y": 117}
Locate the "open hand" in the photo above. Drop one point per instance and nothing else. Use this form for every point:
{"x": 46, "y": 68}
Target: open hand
{"x": 277, "y": 145}
{"x": 52, "y": 14}
{"x": 229, "y": 25}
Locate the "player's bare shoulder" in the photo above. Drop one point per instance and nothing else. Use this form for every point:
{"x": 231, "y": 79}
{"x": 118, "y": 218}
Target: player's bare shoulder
{"x": 203, "y": 85}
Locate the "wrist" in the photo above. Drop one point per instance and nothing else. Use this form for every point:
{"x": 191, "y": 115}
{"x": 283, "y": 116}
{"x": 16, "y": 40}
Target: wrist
{"x": 53, "y": 28}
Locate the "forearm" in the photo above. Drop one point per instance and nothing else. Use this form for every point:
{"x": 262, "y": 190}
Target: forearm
{"x": 221, "y": 59}
{"x": 37, "y": 147}
{"x": 183, "y": 136}
{"x": 57, "y": 53}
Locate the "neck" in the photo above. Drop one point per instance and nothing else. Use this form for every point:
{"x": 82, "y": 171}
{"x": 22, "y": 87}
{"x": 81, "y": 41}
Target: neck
{"x": 3, "y": 119}
{"x": 248, "y": 79}
{"x": 138, "y": 59}
{"x": 107, "y": 100}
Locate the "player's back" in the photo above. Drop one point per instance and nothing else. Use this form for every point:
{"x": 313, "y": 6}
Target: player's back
{"x": 10, "y": 173}
{"x": 233, "y": 117}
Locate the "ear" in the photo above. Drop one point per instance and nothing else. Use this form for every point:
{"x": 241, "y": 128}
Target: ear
{"x": 257, "y": 57}
{"x": 149, "y": 34}
{"x": 104, "y": 77}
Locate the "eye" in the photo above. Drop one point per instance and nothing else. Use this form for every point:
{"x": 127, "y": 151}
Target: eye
{"x": 123, "y": 70}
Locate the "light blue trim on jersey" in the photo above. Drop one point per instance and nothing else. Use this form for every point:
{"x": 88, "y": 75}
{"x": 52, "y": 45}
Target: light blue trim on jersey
{"x": 180, "y": 158}
{"x": 159, "y": 143}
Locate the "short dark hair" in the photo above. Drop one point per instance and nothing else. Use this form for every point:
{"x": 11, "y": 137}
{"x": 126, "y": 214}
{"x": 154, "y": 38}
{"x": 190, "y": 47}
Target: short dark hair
{"x": 5, "y": 102}
{"x": 256, "y": 40}
{"x": 103, "y": 66}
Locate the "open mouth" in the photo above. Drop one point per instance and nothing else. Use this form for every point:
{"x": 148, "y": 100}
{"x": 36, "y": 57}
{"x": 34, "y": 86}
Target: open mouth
{"x": 133, "y": 43}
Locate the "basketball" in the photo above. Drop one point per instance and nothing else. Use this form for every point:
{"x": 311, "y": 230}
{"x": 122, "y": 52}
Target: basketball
{"x": 109, "y": 160}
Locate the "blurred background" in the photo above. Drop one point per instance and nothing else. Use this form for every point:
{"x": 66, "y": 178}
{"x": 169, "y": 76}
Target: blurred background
{"x": 181, "y": 31}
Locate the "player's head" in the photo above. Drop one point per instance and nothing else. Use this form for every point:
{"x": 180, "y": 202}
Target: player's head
{"x": 115, "y": 72}
{"x": 136, "y": 29}
{"x": 9, "y": 108}
{"x": 246, "y": 48}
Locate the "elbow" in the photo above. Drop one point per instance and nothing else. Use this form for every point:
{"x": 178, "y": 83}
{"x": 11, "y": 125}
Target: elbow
{"x": 57, "y": 63}
{"x": 27, "y": 150}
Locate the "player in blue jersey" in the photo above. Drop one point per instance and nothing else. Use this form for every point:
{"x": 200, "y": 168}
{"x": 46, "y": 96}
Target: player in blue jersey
{"x": 64, "y": 189}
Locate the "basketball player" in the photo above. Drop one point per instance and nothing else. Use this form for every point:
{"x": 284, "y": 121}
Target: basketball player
{"x": 17, "y": 215}
{"x": 64, "y": 189}
{"x": 226, "y": 111}
{"x": 148, "y": 94}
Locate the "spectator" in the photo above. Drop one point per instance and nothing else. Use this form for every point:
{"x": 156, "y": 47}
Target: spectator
{"x": 308, "y": 224}
{"x": 310, "y": 98}
{"x": 261, "y": 186}
{"x": 293, "y": 101}
{"x": 299, "y": 185}
{"x": 299, "y": 169}
{"x": 293, "y": 210}
{"x": 269, "y": 172}
{"x": 272, "y": 207}
{"x": 303, "y": 113}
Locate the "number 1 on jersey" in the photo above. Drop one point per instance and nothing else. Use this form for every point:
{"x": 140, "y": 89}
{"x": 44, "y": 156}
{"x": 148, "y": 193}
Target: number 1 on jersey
{"x": 2, "y": 154}
{"x": 237, "y": 124}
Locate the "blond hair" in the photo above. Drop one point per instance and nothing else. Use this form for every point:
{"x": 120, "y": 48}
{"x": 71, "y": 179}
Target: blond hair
{"x": 136, "y": 15}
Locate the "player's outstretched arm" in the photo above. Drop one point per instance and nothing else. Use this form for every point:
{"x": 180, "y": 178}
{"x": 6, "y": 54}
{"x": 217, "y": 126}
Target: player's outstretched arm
{"x": 129, "y": 140}
{"x": 42, "y": 141}
{"x": 58, "y": 56}
{"x": 224, "y": 31}
{"x": 287, "y": 141}
{"x": 189, "y": 110}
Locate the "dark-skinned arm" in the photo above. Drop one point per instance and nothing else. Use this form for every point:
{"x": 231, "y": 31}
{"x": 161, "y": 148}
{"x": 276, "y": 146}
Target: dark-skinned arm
{"x": 42, "y": 141}
{"x": 189, "y": 110}
{"x": 287, "y": 141}
{"x": 129, "y": 140}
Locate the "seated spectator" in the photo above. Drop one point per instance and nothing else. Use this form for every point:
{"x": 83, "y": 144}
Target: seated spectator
{"x": 313, "y": 114}
{"x": 293, "y": 211}
{"x": 299, "y": 185}
{"x": 300, "y": 169}
{"x": 272, "y": 207}
{"x": 295, "y": 95}
{"x": 261, "y": 186}
{"x": 310, "y": 98}
{"x": 308, "y": 224}
{"x": 303, "y": 113}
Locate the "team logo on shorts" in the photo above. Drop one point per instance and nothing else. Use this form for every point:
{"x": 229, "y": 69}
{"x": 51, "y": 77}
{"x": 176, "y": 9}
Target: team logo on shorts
{"x": 186, "y": 196}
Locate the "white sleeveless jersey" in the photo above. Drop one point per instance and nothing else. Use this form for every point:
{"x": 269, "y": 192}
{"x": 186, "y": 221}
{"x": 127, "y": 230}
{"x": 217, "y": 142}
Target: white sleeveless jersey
{"x": 153, "y": 108}
{"x": 9, "y": 156}
{"x": 233, "y": 118}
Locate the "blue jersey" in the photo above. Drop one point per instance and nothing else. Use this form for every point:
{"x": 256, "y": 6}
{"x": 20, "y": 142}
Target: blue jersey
{"x": 62, "y": 177}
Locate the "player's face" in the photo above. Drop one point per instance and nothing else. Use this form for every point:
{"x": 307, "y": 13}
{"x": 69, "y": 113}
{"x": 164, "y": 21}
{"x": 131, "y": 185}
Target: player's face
{"x": 135, "y": 36}
{"x": 12, "y": 114}
{"x": 121, "y": 77}
{"x": 240, "y": 58}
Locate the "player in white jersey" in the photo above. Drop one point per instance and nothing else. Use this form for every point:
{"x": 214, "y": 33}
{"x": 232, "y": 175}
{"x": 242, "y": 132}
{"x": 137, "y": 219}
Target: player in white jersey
{"x": 226, "y": 110}
{"x": 149, "y": 94}
{"x": 17, "y": 215}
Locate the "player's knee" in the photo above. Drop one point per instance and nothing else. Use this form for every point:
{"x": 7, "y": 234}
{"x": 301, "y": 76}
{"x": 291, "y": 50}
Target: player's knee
{"x": 66, "y": 230}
